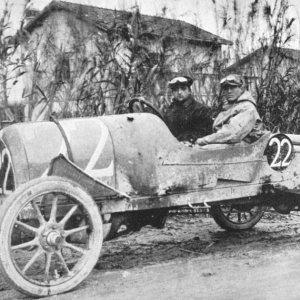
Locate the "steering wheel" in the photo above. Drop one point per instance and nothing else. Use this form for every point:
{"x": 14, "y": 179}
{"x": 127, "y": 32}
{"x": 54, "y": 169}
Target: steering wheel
{"x": 140, "y": 104}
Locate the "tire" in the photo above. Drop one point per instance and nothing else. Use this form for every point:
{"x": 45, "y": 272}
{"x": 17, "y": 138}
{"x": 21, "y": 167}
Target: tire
{"x": 44, "y": 212}
{"x": 236, "y": 217}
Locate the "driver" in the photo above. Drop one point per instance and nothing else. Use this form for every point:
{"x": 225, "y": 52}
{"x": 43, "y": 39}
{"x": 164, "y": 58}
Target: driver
{"x": 239, "y": 121}
{"x": 186, "y": 118}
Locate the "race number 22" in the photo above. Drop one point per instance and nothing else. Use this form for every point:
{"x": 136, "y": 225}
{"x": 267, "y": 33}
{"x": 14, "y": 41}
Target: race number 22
{"x": 279, "y": 152}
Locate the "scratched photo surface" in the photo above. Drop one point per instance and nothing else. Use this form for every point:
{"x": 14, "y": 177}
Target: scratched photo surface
{"x": 149, "y": 149}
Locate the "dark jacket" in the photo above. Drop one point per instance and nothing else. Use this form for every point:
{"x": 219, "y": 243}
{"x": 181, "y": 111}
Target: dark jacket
{"x": 189, "y": 120}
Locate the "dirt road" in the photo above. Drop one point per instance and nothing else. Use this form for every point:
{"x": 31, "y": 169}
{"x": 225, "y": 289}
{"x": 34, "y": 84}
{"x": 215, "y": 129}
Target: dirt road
{"x": 191, "y": 258}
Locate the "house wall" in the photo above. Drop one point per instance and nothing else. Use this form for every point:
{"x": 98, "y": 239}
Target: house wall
{"x": 201, "y": 61}
{"x": 198, "y": 58}
{"x": 58, "y": 36}
{"x": 63, "y": 37}
{"x": 255, "y": 69}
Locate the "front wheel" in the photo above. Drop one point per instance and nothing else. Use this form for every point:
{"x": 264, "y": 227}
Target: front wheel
{"x": 236, "y": 217}
{"x": 40, "y": 253}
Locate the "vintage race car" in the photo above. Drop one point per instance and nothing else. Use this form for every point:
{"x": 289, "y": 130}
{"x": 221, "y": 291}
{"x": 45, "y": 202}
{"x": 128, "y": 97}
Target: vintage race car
{"x": 69, "y": 185}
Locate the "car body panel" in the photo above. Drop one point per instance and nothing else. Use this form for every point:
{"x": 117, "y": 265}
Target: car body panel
{"x": 31, "y": 146}
{"x": 135, "y": 156}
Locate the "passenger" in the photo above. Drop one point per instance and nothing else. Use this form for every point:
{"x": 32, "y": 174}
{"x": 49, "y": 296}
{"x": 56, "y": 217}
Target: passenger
{"x": 186, "y": 118}
{"x": 240, "y": 121}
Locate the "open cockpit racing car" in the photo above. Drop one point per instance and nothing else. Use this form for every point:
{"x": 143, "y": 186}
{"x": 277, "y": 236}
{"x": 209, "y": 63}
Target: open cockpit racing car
{"x": 69, "y": 185}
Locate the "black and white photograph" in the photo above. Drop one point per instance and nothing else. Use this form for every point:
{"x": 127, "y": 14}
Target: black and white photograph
{"x": 150, "y": 150}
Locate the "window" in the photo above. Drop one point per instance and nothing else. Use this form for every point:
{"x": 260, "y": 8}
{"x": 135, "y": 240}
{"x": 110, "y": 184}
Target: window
{"x": 62, "y": 70}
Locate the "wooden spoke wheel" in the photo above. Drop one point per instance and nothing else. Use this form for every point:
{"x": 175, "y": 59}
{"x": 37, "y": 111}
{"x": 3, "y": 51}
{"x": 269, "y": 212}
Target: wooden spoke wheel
{"x": 50, "y": 235}
{"x": 236, "y": 217}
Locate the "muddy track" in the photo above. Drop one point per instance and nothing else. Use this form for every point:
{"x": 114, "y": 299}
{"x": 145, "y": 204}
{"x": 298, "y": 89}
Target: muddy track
{"x": 193, "y": 237}
{"x": 186, "y": 237}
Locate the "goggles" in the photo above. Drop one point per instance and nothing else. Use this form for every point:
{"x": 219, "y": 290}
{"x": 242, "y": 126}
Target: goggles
{"x": 180, "y": 80}
{"x": 232, "y": 79}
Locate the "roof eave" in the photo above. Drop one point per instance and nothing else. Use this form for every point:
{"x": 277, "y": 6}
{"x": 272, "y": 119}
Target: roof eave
{"x": 219, "y": 42}
{"x": 56, "y": 6}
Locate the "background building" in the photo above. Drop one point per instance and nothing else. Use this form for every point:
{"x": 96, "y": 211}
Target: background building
{"x": 82, "y": 54}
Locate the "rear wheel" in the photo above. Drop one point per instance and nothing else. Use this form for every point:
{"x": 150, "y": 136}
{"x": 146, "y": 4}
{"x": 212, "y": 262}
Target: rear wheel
{"x": 236, "y": 217}
{"x": 50, "y": 236}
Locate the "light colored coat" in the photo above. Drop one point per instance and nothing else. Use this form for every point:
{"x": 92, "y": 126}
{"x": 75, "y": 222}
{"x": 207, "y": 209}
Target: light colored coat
{"x": 239, "y": 122}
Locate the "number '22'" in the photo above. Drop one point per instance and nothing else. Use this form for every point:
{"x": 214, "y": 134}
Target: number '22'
{"x": 278, "y": 162}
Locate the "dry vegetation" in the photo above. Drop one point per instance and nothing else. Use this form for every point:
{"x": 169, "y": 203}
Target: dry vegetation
{"x": 123, "y": 66}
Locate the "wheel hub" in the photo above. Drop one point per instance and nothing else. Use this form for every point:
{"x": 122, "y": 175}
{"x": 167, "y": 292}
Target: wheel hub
{"x": 54, "y": 239}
